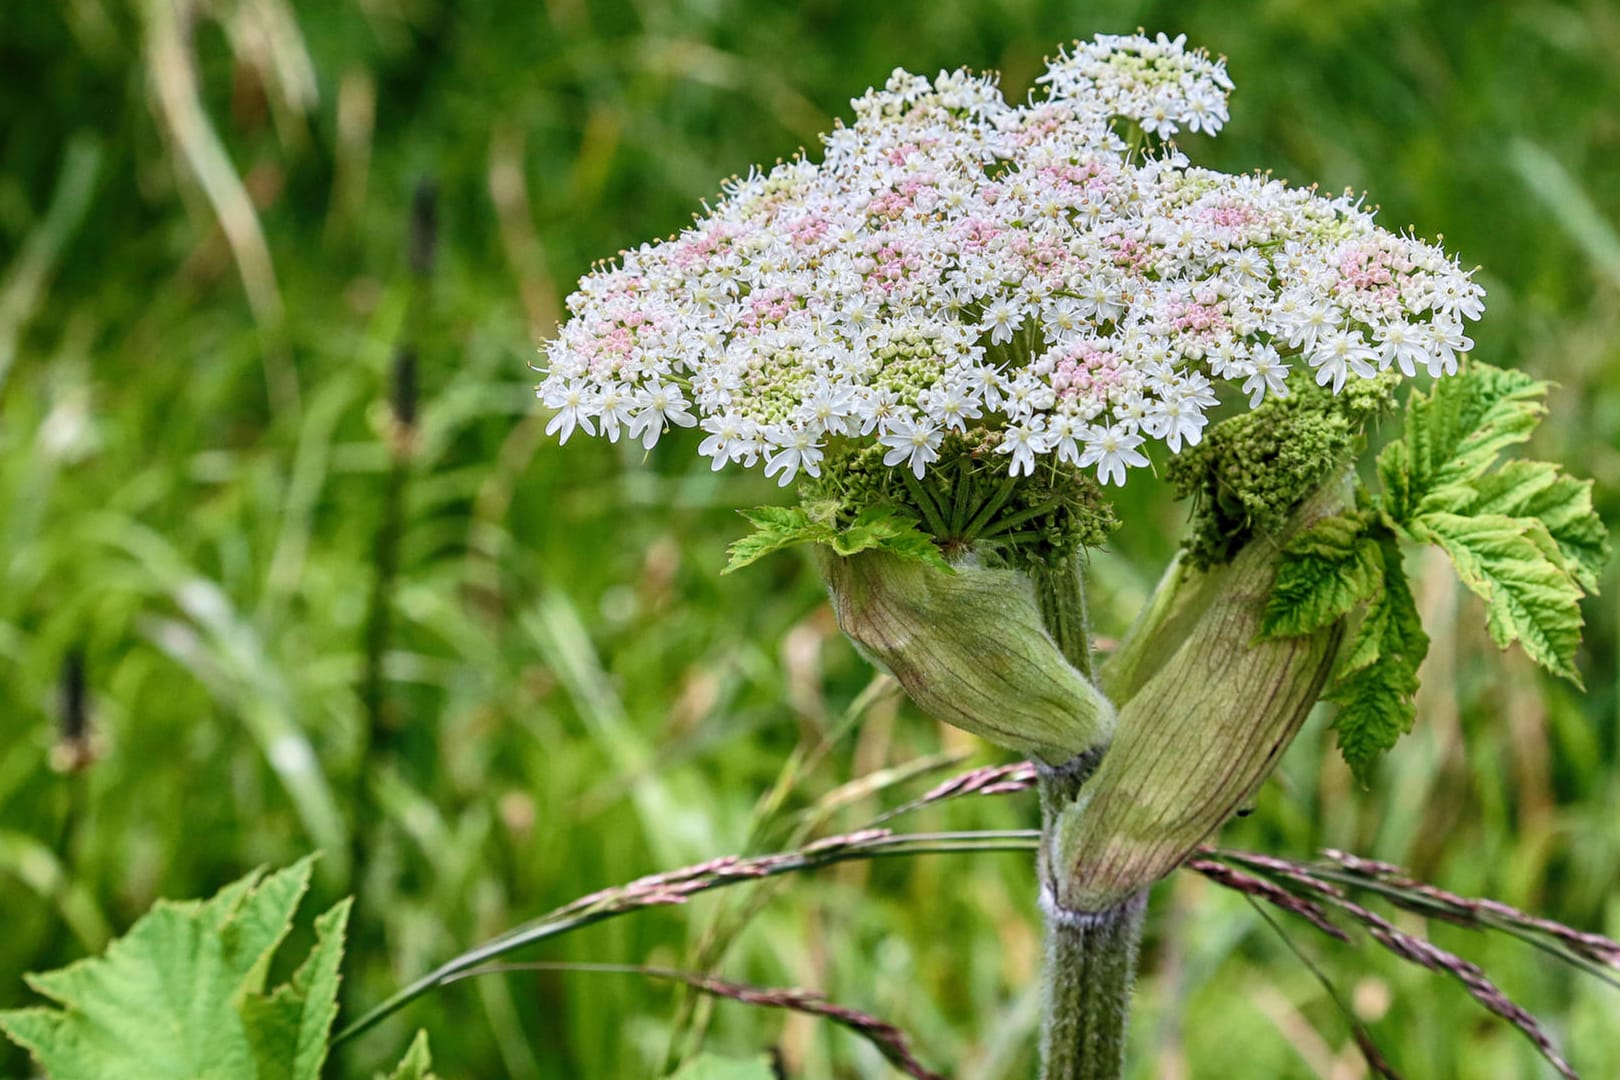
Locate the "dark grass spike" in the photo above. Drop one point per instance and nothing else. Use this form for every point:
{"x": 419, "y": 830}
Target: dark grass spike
{"x": 1591, "y": 953}
{"x": 679, "y": 886}
{"x": 424, "y": 228}
{"x": 1405, "y": 891}
{"x": 1254, "y": 888}
{"x": 74, "y": 725}
{"x": 987, "y": 780}
{"x": 75, "y": 746}
{"x": 889, "y": 1040}
{"x": 405, "y": 388}
{"x": 1415, "y": 950}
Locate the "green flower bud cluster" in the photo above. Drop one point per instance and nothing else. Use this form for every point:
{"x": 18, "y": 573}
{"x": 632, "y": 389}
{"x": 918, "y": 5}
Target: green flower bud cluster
{"x": 1252, "y": 471}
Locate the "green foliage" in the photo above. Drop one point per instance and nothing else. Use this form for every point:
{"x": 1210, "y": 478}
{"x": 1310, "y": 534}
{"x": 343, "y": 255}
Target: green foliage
{"x": 1454, "y": 433}
{"x": 883, "y": 528}
{"x": 557, "y": 622}
{"x": 711, "y": 1067}
{"x": 417, "y": 1064}
{"x": 182, "y": 994}
{"x": 1324, "y": 574}
{"x": 1377, "y": 675}
{"x": 1514, "y": 566}
{"x": 1562, "y": 504}
{"x": 1522, "y": 536}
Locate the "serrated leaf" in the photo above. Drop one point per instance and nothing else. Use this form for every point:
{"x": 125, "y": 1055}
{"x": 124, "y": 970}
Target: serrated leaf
{"x": 777, "y": 518}
{"x": 259, "y": 922}
{"x": 892, "y": 530}
{"x": 1563, "y": 504}
{"x": 775, "y": 528}
{"x": 179, "y": 996}
{"x": 917, "y": 546}
{"x": 710, "y": 1067}
{"x": 288, "y": 1029}
{"x": 1377, "y": 672}
{"x": 417, "y": 1064}
{"x": 1395, "y": 475}
{"x": 877, "y": 527}
{"x": 1513, "y": 565}
{"x": 222, "y": 907}
{"x": 1322, "y": 575}
{"x": 156, "y": 1006}
{"x": 1454, "y": 434}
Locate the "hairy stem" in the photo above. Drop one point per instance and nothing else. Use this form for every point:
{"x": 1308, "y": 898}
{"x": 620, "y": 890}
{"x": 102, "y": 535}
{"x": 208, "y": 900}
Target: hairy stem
{"x": 1090, "y": 957}
{"x": 1090, "y": 964}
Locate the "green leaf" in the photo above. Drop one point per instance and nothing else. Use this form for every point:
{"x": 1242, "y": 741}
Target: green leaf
{"x": 1377, "y": 671}
{"x": 1563, "y": 504}
{"x": 417, "y": 1064}
{"x": 892, "y": 530}
{"x": 179, "y": 996}
{"x": 259, "y": 920}
{"x": 775, "y": 528}
{"x": 1323, "y": 574}
{"x": 885, "y": 527}
{"x": 917, "y": 546}
{"x": 1454, "y": 434}
{"x": 1395, "y": 474}
{"x": 288, "y": 1029}
{"x": 710, "y": 1067}
{"x": 1514, "y": 565}
{"x": 156, "y": 1006}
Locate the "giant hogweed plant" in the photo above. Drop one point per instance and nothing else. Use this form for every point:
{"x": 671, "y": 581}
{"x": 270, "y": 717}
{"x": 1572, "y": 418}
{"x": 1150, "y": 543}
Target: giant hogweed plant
{"x": 966, "y": 322}
{"x": 953, "y": 335}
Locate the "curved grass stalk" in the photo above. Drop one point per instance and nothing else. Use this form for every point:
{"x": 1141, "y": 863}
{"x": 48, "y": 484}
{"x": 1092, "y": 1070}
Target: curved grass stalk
{"x": 678, "y": 886}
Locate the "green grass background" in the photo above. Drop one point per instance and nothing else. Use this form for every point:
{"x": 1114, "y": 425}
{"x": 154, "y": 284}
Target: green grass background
{"x": 203, "y": 236}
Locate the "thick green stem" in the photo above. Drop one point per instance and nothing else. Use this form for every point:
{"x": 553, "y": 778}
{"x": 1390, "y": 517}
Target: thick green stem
{"x": 1090, "y": 964}
{"x": 1090, "y": 957}
{"x": 1061, "y": 595}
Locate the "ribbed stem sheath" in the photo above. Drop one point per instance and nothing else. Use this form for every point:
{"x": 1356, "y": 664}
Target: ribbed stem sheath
{"x": 1090, "y": 965}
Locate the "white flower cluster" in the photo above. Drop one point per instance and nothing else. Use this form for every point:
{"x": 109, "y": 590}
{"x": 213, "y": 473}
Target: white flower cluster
{"x": 956, "y": 260}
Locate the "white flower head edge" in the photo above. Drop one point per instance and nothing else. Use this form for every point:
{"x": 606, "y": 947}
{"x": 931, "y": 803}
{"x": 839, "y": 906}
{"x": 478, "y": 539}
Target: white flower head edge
{"x": 955, "y": 259}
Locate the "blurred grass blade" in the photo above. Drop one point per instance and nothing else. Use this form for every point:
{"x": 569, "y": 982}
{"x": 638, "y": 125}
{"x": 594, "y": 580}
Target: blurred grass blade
{"x": 39, "y": 868}
{"x": 1551, "y": 183}
{"x": 30, "y": 272}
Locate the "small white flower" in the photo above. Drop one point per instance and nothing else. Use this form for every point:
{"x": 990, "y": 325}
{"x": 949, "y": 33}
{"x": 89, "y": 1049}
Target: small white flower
{"x": 951, "y": 406}
{"x": 1001, "y": 319}
{"x": 1267, "y": 374}
{"x": 1023, "y": 441}
{"x": 575, "y": 405}
{"x": 1340, "y": 353}
{"x": 1173, "y": 420}
{"x": 729, "y": 438}
{"x": 1111, "y": 449}
{"x": 911, "y": 442}
{"x": 1063, "y": 433}
{"x": 798, "y": 450}
{"x": 1448, "y": 342}
{"x": 876, "y": 409}
{"x": 656, "y": 406}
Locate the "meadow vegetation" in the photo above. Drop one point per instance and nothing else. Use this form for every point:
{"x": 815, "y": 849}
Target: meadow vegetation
{"x": 287, "y": 563}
